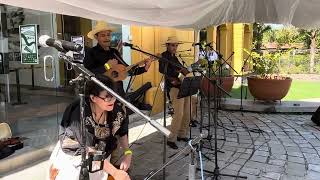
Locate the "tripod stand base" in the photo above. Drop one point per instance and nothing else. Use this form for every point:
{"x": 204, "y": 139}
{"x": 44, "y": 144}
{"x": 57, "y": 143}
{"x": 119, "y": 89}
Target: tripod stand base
{"x": 19, "y": 103}
{"x": 213, "y": 149}
{"x": 216, "y": 173}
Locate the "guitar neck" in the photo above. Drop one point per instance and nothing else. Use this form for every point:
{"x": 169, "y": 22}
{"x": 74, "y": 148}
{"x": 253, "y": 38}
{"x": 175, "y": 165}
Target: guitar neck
{"x": 135, "y": 64}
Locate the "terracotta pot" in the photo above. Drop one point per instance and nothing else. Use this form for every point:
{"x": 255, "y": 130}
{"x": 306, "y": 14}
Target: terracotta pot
{"x": 269, "y": 89}
{"x": 227, "y": 83}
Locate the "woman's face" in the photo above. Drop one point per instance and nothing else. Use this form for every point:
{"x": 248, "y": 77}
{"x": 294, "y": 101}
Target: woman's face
{"x": 105, "y": 101}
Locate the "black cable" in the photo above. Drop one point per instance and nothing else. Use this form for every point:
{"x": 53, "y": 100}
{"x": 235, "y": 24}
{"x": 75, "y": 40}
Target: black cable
{"x": 252, "y": 144}
{"x": 254, "y": 148}
{"x": 144, "y": 123}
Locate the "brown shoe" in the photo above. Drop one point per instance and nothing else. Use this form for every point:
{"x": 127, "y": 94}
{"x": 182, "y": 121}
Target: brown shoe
{"x": 183, "y": 139}
{"x": 193, "y": 123}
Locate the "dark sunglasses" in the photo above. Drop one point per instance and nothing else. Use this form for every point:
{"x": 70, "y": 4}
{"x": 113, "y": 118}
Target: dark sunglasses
{"x": 108, "y": 98}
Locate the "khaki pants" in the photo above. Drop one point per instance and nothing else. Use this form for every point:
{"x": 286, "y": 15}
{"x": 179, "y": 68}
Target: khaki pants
{"x": 194, "y": 101}
{"x": 181, "y": 117}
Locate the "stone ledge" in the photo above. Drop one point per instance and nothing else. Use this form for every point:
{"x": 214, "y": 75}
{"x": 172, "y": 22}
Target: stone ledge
{"x": 271, "y": 107}
{"x": 23, "y": 158}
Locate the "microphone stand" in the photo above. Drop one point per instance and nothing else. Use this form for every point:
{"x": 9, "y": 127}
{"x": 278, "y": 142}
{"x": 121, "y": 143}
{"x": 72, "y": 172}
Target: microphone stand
{"x": 85, "y": 75}
{"x": 184, "y": 50}
{"x": 167, "y": 62}
{"x": 216, "y": 173}
{"x": 190, "y": 104}
{"x": 241, "y": 86}
{"x": 188, "y": 147}
{"x": 220, "y": 64}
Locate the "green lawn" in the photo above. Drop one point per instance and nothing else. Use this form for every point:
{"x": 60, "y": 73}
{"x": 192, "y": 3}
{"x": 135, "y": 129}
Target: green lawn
{"x": 299, "y": 90}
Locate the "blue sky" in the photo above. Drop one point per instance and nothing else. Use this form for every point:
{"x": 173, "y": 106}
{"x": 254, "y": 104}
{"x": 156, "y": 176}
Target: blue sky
{"x": 276, "y": 26}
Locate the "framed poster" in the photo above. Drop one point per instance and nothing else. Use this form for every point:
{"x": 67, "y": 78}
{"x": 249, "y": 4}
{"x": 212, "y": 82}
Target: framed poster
{"x": 29, "y": 44}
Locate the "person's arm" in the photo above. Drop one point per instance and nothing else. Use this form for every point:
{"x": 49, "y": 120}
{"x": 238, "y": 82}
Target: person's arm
{"x": 90, "y": 64}
{"x": 124, "y": 142}
{"x": 126, "y": 162}
{"x": 136, "y": 71}
{"x": 143, "y": 69}
{"x": 162, "y": 65}
{"x": 114, "y": 172}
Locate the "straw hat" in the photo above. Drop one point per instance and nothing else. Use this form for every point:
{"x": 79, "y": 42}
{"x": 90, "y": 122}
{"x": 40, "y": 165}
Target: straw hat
{"x": 100, "y": 26}
{"x": 5, "y": 131}
{"x": 173, "y": 40}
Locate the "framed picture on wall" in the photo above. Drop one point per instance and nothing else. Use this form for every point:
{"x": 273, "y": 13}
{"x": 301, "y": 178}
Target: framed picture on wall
{"x": 29, "y": 44}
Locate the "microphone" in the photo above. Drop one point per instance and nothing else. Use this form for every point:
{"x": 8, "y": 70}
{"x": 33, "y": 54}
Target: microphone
{"x": 127, "y": 44}
{"x": 184, "y": 50}
{"x": 199, "y": 44}
{"x": 196, "y": 44}
{"x": 60, "y": 45}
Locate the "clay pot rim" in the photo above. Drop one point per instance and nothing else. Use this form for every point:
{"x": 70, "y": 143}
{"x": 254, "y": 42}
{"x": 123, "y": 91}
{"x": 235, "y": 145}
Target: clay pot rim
{"x": 255, "y": 77}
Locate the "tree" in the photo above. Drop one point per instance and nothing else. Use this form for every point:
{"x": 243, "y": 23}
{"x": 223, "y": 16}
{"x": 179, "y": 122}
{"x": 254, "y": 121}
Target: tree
{"x": 270, "y": 36}
{"x": 313, "y": 47}
{"x": 310, "y": 41}
{"x": 287, "y": 35}
{"x": 283, "y": 36}
{"x": 258, "y": 31}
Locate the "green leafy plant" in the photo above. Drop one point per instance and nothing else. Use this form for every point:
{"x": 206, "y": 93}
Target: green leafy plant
{"x": 265, "y": 65}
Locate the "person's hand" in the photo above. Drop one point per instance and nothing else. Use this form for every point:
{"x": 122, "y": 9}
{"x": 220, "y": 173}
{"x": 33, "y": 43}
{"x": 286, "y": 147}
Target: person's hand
{"x": 175, "y": 82}
{"x": 147, "y": 64}
{"x": 121, "y": 175}
{"x": 126, "y": 162}
{"x": 184, "y": 71}
{"x": 91, "y": 150}
{"x": 53, "y": 172}
{"x": 112, "y": 62}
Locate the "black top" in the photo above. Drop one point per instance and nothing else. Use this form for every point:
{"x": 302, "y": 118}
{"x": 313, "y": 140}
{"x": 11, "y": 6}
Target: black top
{"x": 172, "y": 71}
{"x": 96, "y": 57}
{"x": 116, "y": 124}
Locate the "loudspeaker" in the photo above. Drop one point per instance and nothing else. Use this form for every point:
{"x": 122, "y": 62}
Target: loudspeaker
{"x": 316, "y": 117}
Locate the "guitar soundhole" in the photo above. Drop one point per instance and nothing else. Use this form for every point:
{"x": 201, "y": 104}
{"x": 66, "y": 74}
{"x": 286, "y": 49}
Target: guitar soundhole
{"x": 115, "y": 74}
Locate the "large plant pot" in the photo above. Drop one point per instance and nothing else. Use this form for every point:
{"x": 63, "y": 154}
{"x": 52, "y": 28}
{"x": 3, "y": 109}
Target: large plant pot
{"x": 227, "y": 83}
{"x": 269, "y": 89}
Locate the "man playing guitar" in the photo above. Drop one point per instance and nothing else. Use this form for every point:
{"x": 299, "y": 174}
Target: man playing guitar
{"x": 181, "y": 116}
{"x": 102, "y": 58}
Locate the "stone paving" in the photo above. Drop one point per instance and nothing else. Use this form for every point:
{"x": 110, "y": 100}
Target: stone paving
{"x": 259, "y": 146}
{"x": 256, "y": 145}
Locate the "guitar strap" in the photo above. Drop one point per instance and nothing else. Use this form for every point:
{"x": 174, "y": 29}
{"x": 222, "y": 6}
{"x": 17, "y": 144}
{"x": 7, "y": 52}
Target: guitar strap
{"x": 120, "y": 60}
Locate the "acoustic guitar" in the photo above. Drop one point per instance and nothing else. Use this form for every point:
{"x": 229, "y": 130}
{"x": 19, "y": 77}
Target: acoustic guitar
{"x": 119, "y": 72}
{"x": 110, "y": 177}
{"x": 177, "y": 81}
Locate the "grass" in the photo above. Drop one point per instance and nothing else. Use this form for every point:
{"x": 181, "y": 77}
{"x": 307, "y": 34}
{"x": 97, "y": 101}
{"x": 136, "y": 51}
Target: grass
{"x": 299, "y": 90}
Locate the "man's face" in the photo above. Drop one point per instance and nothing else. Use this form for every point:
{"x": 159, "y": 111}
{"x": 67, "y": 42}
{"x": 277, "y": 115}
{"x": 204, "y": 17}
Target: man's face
{"x": 104, "y": 38}
{"x": 172, "y": 47}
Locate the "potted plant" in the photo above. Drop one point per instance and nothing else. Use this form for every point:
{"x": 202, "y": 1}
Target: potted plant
{"x": 223, "y": 77}
{"x": 266, "y": 84}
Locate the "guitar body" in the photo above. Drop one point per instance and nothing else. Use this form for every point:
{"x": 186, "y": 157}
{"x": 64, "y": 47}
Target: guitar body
{"x": 118, "y": 72}
{"x": 110, "y": 178}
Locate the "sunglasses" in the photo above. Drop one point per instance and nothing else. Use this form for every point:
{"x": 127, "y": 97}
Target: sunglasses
{"x": 108, "y": 98}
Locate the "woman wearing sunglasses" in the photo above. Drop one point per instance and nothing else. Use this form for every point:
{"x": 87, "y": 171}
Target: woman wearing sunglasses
{"x": 104, "y": 119}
